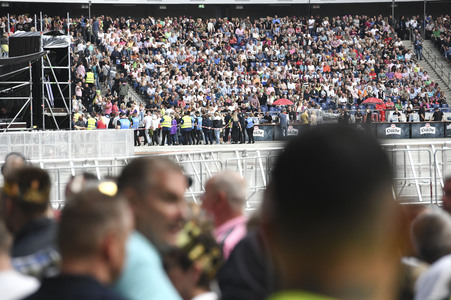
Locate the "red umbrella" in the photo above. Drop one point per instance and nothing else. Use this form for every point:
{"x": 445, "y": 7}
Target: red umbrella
{"x": 373, "y": 100}
{"x": 283, "y": 101}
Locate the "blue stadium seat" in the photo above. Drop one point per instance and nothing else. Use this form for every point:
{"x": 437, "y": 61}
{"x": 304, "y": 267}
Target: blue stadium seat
{"x": 264, "y": 108}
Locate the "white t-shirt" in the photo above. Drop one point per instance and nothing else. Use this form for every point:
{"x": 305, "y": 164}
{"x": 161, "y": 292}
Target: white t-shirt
{"x": 435, "y": 283}
{"x": 147, "y": 121}
{"x": 14, "y": 285}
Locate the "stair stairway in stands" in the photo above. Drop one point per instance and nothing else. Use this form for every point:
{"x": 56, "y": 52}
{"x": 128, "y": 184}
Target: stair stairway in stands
{"x": 436, "y": 74}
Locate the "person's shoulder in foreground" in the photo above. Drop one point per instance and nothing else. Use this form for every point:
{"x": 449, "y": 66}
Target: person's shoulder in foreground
{"x": 143, "y": 273}
{"x": 73, "y": 287}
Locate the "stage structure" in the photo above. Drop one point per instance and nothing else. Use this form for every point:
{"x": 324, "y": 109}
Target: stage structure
{"x": 16, "y": 91}
{"x": 56, "y": 79}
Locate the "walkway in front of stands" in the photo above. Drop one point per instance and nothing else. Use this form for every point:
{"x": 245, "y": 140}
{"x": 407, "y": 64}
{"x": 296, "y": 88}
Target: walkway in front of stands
{"x": 142, "y": 150}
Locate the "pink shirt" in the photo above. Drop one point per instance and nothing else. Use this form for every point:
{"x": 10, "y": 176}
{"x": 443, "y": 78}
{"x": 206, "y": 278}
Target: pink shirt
{"x": 230, "y": 233}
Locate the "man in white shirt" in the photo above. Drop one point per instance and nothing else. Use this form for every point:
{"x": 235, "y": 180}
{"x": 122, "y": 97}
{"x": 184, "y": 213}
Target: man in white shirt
{"x": 12, "y": 284}
{"x": 147, "y": 123}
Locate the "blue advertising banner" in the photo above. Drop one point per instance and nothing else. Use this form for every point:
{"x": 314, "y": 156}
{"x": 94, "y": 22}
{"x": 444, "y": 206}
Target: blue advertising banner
{"x": 447, "y": 129}
{"x": 293, "y": 130}
{"x": 428, "y": 130}
{"x": 393, "y": 130}
{"x": 264, "y": 132}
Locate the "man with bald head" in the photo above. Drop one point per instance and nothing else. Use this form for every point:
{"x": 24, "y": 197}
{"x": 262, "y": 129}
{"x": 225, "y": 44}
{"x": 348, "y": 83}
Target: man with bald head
{"x": 224, "y": 198}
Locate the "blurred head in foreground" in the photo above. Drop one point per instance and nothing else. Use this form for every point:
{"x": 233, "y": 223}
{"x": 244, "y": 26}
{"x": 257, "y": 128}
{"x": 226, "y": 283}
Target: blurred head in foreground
{"x": 194, "y": 263}
{"x": 330, "y": 218}
{"x": 155, "y": 189}
{"x": 93, "y": 230}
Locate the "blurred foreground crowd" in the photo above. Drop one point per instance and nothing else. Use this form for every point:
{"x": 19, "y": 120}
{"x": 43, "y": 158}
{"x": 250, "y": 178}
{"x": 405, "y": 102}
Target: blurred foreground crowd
{"x": 136, "y": 237}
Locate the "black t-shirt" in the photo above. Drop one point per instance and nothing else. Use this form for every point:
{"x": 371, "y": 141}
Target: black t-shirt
{"x": 358, "y": 117}
{"x": 437, "y": 116}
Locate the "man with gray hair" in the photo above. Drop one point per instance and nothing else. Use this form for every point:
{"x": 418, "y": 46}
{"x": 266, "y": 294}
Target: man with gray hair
{"x": 224, "y": 198}
{"x": 431, "y": 236}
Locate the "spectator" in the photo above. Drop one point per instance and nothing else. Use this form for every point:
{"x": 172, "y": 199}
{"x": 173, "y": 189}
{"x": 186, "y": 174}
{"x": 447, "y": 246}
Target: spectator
{"x": 193, "y": 275}
{"x": 224, "y": 198}
{"x": 92, "y": 236}
{"x": 155, "y": 189}
{"x": 283, "y": 119}
{"x": 12, "y": 284}
{"x": 304, "y": 230}
{"x": 446, "y": 198}
{"x": 25, "y": 201}
{"x": 250, "y": 128}
{"x": 438, "y": 115}
{"x": 13, "y": 161}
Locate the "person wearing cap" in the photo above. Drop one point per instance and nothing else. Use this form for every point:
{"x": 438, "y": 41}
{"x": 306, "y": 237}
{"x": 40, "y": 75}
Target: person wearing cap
{"x": 25, "y": 200}
{"x": 123, "y": 122}
{"x": 194, "y": 263}
{"x": 93, "y": 230}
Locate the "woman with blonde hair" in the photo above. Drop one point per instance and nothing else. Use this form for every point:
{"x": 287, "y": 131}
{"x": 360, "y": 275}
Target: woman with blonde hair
{"x": 236, "y": 128}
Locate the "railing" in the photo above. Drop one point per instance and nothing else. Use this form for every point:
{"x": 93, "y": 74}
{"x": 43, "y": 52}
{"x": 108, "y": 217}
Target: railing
{"x": 419, "y": 169}
{"x": 437, "y": 63}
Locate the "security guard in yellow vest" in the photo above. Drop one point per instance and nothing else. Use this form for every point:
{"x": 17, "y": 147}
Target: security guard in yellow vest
{"x": 91, "y": 123}
{"x": 186, "y": 128}
{"x": 90, "y": 78}
{"x": 166, "y": 124}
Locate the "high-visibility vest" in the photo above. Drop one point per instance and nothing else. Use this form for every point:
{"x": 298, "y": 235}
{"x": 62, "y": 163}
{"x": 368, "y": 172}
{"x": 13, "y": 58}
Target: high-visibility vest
{"x": 91, "y": 124}
{"x": 250, "y": 122}
{"x": 167, "y": 120}
{"x": 90, "y": 77}
{"x": 125, "y": 123}
{"x": 186, "y": 122}
{"x": 135, "y": 124}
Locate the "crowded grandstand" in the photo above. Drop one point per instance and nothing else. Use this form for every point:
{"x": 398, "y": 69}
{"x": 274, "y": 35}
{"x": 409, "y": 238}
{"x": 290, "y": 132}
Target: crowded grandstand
{"x": 214, "y": 77}
{"x": 328, "y": 222}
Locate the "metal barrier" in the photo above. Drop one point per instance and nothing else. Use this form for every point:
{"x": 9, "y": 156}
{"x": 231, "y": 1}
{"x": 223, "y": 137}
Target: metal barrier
{"x": 418, "y": 167}
{"x": 410, "y": 180}
{"x": 442, "y": 166}
{"x": 44, "y": 145}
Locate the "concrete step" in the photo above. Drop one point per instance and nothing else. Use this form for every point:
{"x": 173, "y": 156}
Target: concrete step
{"x": 427, "y": 66}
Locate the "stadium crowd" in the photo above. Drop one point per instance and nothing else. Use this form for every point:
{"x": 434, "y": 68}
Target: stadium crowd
{"x": 440, "y": 33}
{"x": 137, "y": 237}
{"x": 212, "y": 68}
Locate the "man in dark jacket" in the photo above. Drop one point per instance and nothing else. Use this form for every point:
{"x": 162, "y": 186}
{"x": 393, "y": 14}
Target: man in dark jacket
{"x": 26, "y": 200}
{"x": 94, "y": 228}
